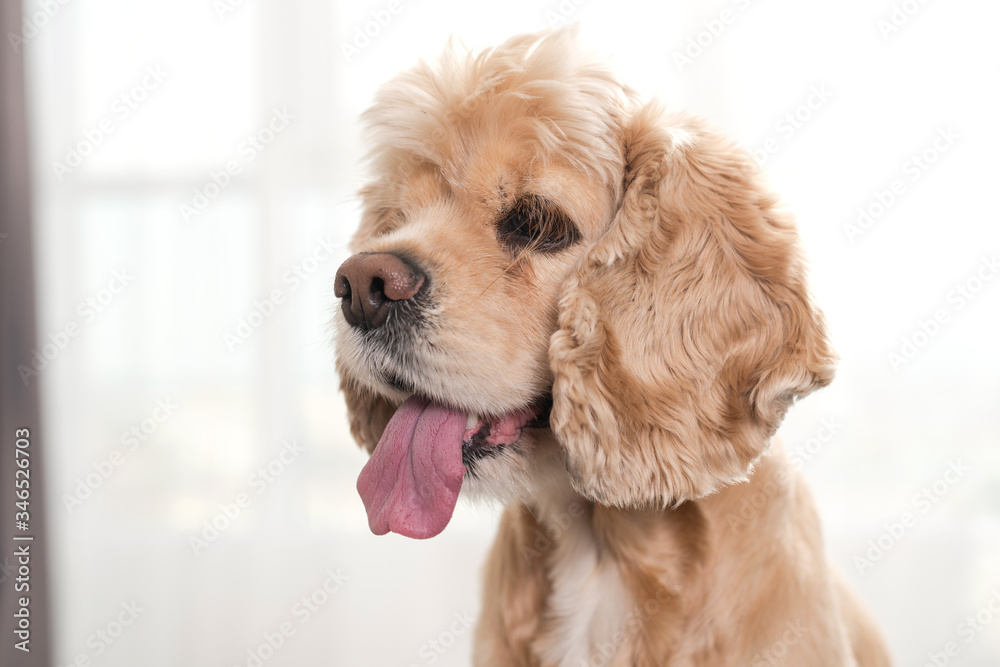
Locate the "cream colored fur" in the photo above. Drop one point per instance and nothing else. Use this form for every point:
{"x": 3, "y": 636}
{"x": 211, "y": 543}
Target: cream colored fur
{"x": 672, "y": 337}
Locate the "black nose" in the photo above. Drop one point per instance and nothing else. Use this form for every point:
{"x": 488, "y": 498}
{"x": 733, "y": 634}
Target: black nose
{"x": 369, "y": 284}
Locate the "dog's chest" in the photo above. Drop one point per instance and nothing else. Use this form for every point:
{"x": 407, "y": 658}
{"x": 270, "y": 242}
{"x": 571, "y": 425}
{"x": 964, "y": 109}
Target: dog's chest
{"x": 587, "y": 607}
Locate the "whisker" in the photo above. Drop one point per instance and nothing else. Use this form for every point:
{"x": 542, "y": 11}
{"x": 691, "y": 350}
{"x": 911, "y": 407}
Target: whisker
{"x": 517, "y": 259}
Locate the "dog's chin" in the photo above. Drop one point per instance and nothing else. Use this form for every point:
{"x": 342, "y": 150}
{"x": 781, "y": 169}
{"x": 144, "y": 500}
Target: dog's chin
{"x": 511, "y": 473}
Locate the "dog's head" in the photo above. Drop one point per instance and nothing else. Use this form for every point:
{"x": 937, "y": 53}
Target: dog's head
{"x": 540, "y": 255}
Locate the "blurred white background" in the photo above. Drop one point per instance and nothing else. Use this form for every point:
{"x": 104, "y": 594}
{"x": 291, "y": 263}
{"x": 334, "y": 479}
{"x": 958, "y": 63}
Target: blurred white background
{"x": 137, "y": 109}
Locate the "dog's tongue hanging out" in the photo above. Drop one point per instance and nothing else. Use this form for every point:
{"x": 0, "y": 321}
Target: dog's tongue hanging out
{"x": 411, "y": 482}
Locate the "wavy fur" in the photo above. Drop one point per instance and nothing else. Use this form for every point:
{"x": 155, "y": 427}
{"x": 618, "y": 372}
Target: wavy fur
{"x": 657, "y": 521}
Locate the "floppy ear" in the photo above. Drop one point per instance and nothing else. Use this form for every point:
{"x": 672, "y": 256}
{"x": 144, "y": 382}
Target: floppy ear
{"x": 367, "y": 412}
{"x": 686, "y": 330}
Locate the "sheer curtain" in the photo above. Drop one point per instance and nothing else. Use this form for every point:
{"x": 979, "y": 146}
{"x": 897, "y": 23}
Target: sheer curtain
{"x": 194, "y": 168}
{"x": 191, "y": 212}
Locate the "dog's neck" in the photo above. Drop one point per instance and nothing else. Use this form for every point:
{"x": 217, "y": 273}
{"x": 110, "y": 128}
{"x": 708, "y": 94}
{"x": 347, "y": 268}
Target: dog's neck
{"x": 588, "y": 598}
{"x": 612, "y": 570}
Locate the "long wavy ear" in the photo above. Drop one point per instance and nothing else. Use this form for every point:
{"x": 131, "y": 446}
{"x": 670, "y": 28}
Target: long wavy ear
{"x": 686, "y": 330}
{"x": 367, "y": 412}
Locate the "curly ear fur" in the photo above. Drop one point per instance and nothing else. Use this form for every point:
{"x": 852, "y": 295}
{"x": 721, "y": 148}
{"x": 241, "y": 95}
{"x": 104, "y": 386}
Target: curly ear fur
{"x": 686, "y": 330}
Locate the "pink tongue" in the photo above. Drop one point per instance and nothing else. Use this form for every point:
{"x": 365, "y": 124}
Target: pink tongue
{"x": 411, "y": 482}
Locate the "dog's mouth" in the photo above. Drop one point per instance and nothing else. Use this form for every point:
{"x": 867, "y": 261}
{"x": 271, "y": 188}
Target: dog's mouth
{"x": 411, "y": 483}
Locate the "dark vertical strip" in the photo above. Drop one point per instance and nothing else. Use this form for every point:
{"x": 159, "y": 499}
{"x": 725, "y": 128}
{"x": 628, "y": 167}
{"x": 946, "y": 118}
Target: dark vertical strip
{"x": 23, "y": 555}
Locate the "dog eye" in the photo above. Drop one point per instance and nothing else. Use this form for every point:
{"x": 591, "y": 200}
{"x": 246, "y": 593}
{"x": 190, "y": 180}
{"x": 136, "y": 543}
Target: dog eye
{"x": 534, "y": 224}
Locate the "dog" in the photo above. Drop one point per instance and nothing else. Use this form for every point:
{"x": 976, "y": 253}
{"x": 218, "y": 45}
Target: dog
{"x": 590, "y": 308}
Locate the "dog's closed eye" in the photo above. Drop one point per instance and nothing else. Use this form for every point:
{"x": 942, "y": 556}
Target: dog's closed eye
{"x": 534, "y": 224}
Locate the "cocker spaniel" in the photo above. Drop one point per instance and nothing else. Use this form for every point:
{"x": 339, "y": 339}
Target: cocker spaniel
{"x": 590, "y": 308}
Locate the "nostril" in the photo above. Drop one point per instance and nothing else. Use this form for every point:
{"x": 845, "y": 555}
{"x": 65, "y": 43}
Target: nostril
{"x": 378, "y": 288}
{"x": 342, "y": 288}
{"x": 399, "y": 282}
{"x": 369, "y": 284}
